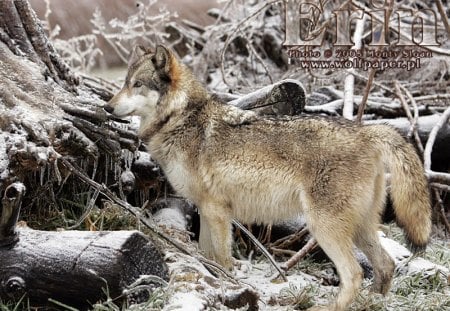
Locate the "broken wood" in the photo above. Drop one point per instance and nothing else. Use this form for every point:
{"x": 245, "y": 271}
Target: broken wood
{"x": 11, "y": 204}
{"x": 76, "y": 268}
{"x": 286, "y": 97}
{"x": 306, "y": 249}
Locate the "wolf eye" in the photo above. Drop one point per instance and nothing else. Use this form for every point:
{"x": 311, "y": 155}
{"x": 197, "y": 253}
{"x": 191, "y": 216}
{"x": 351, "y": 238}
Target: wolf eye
{"x": 137, "y": 84}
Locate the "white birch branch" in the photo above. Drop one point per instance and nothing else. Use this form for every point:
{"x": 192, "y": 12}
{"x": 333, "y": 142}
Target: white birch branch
{"x": 347, "y": 111}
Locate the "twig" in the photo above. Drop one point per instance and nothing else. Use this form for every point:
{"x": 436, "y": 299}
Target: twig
{"x": 328, "y": 108}
{"x": 300, "y": 254}
{"x": 433, "y": 97}
{"x": 62, "y": 305}
{"x": 265, "y": 238}
{"x": 438, "y": 177}
{"x": 442, "y": 210}
{"x": 364, "y": 78}
{"x": 429, "y": 146}
{"x": 282, "y": 252}
{"x": 444, "y": 17}
{"x": 231, "y": 36}
{"x": 413, "y": 128}
{"x": 372, "y": 71}
{"x": 412, "y": 120}
{"x": 88, "y": 210}
{"x": 108, "y": 85}
{"x": 260, "y": 246}
{"x": 363, "y": 104}
{"x": 440, "y": 186}
{"x": 287, "y": 241}
{"x": 259, "y": 58}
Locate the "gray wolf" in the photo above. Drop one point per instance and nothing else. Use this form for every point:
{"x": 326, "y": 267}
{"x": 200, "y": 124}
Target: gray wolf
{"x": 235, "y": 164}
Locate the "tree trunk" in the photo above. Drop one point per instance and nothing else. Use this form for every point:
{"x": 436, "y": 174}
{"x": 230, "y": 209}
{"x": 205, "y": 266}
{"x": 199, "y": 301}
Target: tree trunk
{"x": 45, "y": 108}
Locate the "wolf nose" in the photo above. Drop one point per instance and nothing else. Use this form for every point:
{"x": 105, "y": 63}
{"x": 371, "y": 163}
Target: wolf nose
{"x": 108, "y": 108}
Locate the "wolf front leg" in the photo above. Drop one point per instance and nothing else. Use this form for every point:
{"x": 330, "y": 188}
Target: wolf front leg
{"x": 215, "y": 233}
{"x": 205, "y": 241}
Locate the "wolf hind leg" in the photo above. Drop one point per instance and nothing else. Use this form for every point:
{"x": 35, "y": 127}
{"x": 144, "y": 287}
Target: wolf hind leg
{"x": 383, "y": 265}
{"x": 215, "y": 237}
{"x": 336, "y": 239}
{"x": 367, "y": 240}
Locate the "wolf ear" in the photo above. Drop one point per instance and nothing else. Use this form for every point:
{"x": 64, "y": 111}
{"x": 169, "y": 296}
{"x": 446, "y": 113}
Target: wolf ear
{"x": 162, "y": 59}
{"x": 138, "y": 52}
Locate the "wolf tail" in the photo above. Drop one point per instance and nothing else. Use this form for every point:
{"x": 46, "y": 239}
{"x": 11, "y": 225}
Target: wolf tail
{"x": 409, "y": 187}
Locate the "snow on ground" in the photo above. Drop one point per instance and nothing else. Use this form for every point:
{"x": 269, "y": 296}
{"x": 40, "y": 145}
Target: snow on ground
{"x": 193, "y": 287}
{"x": 408, "y": 264}
{"x": 190, "y": 301}
{"x": 171, "y": 217}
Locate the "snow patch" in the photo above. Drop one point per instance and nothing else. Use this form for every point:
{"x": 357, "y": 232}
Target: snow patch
{"x": 187, "y": 302}
{"x": 426, "y": 267}
{"x": 397, "y": 251}
{"x": 408, "y": 264}
{"x": 171, "y": 217}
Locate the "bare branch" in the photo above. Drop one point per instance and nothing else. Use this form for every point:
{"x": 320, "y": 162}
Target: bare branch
{"x": 444, "y": 16}
{"x": 231, "y": 36}
{"x": 260, "y": 247}
{"x": 306, "y": 249}
{"x": 347, "y": 111}
{"x": 372, "y": 71}
{"x": 412, "y": 120}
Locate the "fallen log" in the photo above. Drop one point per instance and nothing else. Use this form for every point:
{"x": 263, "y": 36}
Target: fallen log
{"x": 286, "y": 97}
{"x": 76, "y": 268}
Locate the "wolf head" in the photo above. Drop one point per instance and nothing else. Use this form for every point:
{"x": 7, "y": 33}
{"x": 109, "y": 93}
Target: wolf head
{"x": 153, "y": 83}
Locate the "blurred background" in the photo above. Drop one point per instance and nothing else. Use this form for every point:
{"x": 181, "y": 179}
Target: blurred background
{"x": 84, "y": 19}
